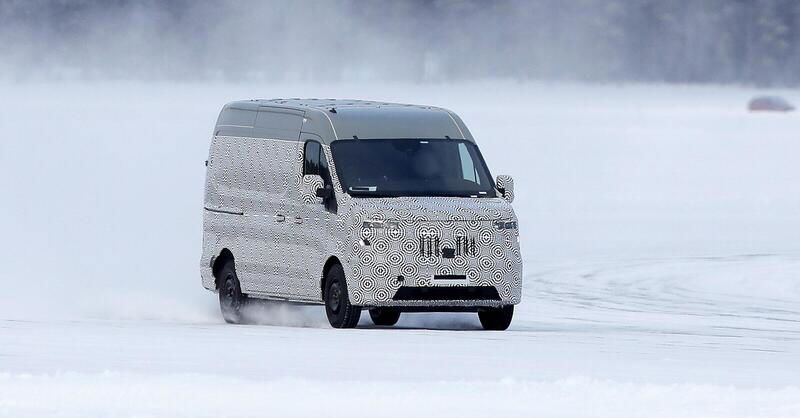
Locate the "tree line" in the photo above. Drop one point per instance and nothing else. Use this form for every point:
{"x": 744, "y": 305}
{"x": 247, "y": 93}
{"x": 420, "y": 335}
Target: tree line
{"x": 677, "y": 41}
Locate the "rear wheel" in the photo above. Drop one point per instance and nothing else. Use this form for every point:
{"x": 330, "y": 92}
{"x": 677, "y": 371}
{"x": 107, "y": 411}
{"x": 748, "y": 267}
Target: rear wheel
{"x": 231, "y": 299}
{"x": 496, "y": 319}
{"x": 384, "y": 316}
{"x": 341, "y": 314}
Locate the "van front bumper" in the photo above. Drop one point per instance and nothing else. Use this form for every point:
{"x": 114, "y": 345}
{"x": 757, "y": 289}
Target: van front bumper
{"x": 452, "y": 288}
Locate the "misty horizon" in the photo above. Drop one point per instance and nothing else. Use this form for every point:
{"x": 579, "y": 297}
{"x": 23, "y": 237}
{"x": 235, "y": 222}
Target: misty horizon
{"x": 710, "y": 41}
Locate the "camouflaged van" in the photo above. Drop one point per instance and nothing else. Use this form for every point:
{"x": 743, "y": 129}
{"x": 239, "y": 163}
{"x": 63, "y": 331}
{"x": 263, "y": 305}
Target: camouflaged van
{"x": 357, "y": 205}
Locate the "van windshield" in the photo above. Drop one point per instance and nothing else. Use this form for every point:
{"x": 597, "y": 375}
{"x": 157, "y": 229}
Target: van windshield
{"x": 411, "y": 167}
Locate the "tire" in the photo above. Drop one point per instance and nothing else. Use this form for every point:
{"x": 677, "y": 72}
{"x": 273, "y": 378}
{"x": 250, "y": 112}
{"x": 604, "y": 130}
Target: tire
{"x": 341, "y": 314}
{"x": 384, "y": 316}
{"x": 496, "y": 319}
{"x": 231, "y": 298}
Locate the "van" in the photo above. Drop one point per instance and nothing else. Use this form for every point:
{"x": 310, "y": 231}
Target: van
{"x": 357, "y": 205}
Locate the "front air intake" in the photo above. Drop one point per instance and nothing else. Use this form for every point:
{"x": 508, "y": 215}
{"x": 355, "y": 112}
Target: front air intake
{"x": 447, "y": 293}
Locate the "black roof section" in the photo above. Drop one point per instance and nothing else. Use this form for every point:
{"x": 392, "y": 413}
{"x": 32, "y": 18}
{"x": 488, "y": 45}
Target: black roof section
{"x": 333, "y": 119}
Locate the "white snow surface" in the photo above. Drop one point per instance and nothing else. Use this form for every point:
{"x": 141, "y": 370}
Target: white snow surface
{"x": 660, "y": 231}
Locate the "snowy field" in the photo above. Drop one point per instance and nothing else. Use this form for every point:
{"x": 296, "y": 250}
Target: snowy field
{"x": 660, "y": 230}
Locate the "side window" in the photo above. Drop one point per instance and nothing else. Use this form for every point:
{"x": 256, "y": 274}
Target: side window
{"x": 314, "y": 161}
{"x": 468, "y": 171}
{"x": 311, "y": 164}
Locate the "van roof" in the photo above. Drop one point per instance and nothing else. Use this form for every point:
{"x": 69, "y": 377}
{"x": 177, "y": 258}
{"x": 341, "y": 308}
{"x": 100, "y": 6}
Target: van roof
{"x": 333, "y": 119}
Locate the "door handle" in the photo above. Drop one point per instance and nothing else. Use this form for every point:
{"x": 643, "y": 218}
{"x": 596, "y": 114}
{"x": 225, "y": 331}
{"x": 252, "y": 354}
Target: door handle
{"x": 298, "y": 220}
{"x": 280, "y": 218}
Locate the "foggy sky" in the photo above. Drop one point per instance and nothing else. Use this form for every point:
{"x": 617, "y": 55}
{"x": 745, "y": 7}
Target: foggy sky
{"x": 703, "y": 41}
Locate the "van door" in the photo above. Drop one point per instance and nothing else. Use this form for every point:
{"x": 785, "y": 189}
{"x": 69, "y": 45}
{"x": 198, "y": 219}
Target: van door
{"x": 277, "y": 244}
{"x": 315, "y": 221}
{"x": 247, "y": 187}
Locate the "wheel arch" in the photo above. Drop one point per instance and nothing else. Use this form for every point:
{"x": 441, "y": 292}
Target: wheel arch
{"x": 330, "y": 262}
{"x": 219, "y": 262}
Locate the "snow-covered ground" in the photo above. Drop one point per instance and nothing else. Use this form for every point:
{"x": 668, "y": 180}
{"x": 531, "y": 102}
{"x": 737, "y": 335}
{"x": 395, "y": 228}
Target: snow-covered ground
{"x": 660, "y": 228}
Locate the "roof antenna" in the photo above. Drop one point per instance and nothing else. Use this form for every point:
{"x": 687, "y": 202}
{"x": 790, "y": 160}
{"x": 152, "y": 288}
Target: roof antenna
{"x": 355, "y": 137}
{"x": 332, "y": 110}
{"x": 447, "y": 136}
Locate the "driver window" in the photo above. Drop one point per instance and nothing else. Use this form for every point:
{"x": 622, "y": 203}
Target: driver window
{"x": 323, "y": 167}
{"x": 314, "y": 161}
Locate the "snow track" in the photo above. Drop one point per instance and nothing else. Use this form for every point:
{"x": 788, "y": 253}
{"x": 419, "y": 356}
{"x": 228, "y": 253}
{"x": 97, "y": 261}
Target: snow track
{"x": 753, "y": 299}
{"x": 660, "y": 337}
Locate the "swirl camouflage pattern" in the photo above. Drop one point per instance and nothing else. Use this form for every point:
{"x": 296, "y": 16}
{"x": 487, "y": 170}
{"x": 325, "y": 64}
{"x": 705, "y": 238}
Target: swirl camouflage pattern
{"x": 264, "y": 211}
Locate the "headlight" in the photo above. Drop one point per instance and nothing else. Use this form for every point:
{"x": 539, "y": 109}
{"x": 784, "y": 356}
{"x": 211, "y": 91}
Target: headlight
{"x": 505, "y": 225}
{"x": 381, "y": 224}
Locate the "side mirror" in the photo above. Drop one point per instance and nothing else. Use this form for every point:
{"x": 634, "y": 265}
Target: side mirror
{"x": 325, "y": 192}
{"x": 505, "y": 185}
{"x": 310, "y": 188}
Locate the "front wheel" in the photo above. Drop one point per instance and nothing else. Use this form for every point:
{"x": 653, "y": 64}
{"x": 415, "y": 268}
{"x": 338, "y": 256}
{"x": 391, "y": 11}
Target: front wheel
{"x": 341, "y": 314}
{"x": 384, "y": 316}
{"x": 496, "y": 319}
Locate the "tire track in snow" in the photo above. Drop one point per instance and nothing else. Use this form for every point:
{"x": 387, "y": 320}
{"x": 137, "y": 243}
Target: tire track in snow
{"x": 751, "y": 300}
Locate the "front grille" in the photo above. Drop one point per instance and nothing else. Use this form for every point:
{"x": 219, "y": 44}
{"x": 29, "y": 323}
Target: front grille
{"x": 447, "y": 293}
{"x": 465, "y": 246}
{"x": 430, "y": 246}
